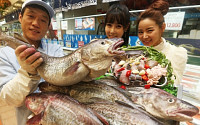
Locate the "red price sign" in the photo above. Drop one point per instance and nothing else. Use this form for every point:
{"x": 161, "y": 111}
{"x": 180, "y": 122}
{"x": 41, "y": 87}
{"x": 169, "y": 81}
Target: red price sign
{"x": 174, "y": 20}
{"x": 173, "y": 24}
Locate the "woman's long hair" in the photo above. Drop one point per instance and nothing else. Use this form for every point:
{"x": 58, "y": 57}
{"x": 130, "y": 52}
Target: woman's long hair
{"x": 120, "y": 13}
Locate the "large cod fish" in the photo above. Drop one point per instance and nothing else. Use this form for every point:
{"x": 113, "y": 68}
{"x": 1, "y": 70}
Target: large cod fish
{"x": 163, "y": 105}
{"x": 84, "y": 64}
{"x": 117, "y": 114}
{"x": 83, "y": 92}
{"x": 60, "y": 109}
{"x": 157, "y": 102}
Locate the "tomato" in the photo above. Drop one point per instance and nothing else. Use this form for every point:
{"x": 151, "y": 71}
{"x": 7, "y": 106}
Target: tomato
{"x": 121, "y": 69}
{"x": 128, "y": 73}
{"x": 145, "y": 78}
{"x": 146, "y": 66}
{"x": 146, "y": 73}
{"x": 123, "y": 87}
{"x": 147, "y": 86}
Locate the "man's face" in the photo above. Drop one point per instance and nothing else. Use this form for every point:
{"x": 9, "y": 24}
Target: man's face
{"x": 34, "y": 24}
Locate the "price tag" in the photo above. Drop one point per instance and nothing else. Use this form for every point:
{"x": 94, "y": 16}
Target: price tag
{"x": 54, "y": 25}
{"x": 174, "y": 20}
{"x": 64, "y": 25}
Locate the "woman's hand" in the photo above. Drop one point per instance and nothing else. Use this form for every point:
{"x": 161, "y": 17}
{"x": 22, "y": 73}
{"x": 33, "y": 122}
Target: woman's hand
{"x": 28, "y": 58}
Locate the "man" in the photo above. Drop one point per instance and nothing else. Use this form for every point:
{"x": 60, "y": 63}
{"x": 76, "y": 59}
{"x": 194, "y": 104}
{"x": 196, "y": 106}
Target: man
{"x": 18, "y": 75}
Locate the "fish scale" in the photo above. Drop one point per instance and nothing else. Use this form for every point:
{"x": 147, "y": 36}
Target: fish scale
{"x": 92, "y": 89}
{"x": 121, "y": 115}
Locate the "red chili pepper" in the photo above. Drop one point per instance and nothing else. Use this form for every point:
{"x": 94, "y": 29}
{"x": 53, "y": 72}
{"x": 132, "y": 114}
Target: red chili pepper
{"x": 145, "y": 78}
{"x": 146, "y": 66}
{"x": 146, "y": 73}
{"x": 121, "y": 69}
{"x": 128, "y": 73}
{"x": 147, "y": 86}
{"x": 123, "y": 87}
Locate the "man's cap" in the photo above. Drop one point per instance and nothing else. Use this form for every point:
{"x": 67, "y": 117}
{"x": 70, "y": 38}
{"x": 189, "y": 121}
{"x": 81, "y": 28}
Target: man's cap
{"x": 41, "y": 3}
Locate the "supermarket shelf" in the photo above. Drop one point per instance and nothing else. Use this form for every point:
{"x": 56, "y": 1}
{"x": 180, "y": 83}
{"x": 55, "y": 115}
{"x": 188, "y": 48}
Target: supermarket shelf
{"x": 191, "y": 87}
{"x": 191, "y": 83}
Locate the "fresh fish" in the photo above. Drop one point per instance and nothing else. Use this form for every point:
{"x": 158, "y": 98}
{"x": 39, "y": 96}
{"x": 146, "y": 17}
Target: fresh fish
{"x": 117, "y": 114}
{"x": 157, "y": 102}
{"x": 163, "y": 105}
{"x": 59, "y": 109}
{"x": 110, "y": 81}
{"x": 84, "y": 64}
{"x": 83, "y": 92}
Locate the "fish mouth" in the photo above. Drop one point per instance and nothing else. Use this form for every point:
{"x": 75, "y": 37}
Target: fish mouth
{"x": 115, "y": 48}
{"x": 183, "y": 115}
{"x": 29, "y": 106}
{"x": 35, "y": 119}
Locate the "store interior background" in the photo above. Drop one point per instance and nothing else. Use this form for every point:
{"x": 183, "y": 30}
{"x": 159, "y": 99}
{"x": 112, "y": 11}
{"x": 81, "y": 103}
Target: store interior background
{"x": 188, "y": 37}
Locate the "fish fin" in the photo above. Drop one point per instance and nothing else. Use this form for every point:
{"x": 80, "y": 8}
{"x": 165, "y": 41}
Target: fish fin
{"x": 129, "y": 96}
{"x": 87, "y": 79}
{"x": 20, "y": 37}
{"x": 71, "y": 69}
{"x": 102, "y": 64}
{"x": 101, "y": 118}
{"x": 135, "y": 89}
{"x": 98, "y": 100}
{"x": 127, "y": 105}
{"x": 43, "y": 86}
{"x": 122, "y": 91}
{"x": 47, "y": 87}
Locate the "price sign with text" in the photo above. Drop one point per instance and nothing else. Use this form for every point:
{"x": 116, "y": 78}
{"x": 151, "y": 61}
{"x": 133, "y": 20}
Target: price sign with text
{"x": 54, "y": 25}
{"x": 174, "y": 20}
{"x": 64, "y": 25}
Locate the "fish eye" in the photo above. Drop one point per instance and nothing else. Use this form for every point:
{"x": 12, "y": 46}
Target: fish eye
{"x": 170, "y": 100}
{"x": 103, "y": 43}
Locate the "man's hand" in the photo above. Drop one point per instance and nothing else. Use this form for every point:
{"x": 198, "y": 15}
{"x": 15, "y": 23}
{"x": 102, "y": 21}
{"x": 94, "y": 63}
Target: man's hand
{"x": 28, "y": 58}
